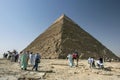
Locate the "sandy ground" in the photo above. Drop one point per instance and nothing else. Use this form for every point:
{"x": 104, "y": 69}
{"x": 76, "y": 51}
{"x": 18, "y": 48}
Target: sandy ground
{"x": 54, "y": 69}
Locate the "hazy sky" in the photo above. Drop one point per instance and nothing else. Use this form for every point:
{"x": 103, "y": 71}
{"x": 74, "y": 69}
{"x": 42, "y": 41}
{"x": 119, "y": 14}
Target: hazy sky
{"x": 21, "y": 21}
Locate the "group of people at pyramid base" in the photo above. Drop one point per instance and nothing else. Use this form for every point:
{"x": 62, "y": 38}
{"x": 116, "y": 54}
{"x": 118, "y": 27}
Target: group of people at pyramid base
{"x": 34, "y": 60}
{"x": 99, "y": 63}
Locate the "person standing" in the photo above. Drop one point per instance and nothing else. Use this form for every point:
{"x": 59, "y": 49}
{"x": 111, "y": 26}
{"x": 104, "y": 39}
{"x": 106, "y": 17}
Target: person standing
{"x": 70, "y": 60}
{"x": 91, "y": 62}
{"x": 27, "y": 53}
{"x": 37, "y": 61}
{"x": 16, "y": 55}
{"x": 32, "y": 57}
{"x": 9, "y": 55}
{"x": 24, "y": 61}
{"x": 75, "y": 56}
{"x": 19, "y": 58}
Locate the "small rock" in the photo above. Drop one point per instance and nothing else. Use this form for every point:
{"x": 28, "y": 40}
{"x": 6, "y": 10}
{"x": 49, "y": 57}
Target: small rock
{"x": 52, "y": 66}
{"x": 75, "y": 72}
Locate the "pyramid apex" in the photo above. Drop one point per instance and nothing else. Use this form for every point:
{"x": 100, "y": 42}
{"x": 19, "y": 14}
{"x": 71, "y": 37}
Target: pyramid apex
{"x": 58, "y": 19}
{"x": 63, "y": 16}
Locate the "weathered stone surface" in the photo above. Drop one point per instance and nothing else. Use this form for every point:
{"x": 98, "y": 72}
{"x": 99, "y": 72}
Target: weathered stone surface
{"x": 65, "y": 36}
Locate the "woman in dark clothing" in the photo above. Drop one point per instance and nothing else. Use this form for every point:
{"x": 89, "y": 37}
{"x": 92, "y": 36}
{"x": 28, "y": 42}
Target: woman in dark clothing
{"x": 37, "y": 61}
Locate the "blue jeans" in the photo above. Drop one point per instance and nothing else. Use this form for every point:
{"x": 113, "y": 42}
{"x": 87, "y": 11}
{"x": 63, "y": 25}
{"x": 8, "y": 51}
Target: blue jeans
{"x": 35, "y": 66}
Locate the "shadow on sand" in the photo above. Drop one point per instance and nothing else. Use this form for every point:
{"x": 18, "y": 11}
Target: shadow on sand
{"x": 45, "y": 71}
{"x": 60, "y": 64}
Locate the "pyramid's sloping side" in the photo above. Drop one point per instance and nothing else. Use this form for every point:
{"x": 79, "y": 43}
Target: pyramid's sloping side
{"x": 48, "y": 43}
{"x": 75, "y": 38}
{"x": 65, "y": 36}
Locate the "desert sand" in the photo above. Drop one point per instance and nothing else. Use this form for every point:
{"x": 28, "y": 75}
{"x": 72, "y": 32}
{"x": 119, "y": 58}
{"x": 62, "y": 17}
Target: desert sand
{"x": 58, "y": 69}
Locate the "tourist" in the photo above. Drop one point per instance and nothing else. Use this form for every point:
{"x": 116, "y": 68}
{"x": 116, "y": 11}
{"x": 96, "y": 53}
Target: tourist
{"x": 37, "y": 61}
{"x": 100, "y": 63}
{"x": 27, "y": 53}
{"x": 9, "y": 55}
{"x": 5, "y": 55}
{"x": 19, "y": 58}
{"x": 32, "y": 58}
{"x": 91, "y": 62}
{"x": 24, "y": 61}
{"x": 75, "y": 56}
{"x": 13, "y": 57}
{"x": 70, "y": 60}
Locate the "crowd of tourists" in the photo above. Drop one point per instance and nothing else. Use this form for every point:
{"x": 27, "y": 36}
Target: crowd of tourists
{"x": 99, "y": 63}
{"x": 34, "y": 59}
{"x": 12, "y": 56}
{"x": 24, "y": 57}
{"x": 72, "y": 57}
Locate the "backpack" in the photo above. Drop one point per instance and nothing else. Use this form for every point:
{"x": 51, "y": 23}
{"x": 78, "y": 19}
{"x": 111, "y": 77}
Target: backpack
{"x": 37, "y": 60}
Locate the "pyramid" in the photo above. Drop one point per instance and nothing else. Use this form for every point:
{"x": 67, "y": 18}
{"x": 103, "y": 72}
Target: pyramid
{"x": 65, "y": 36}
